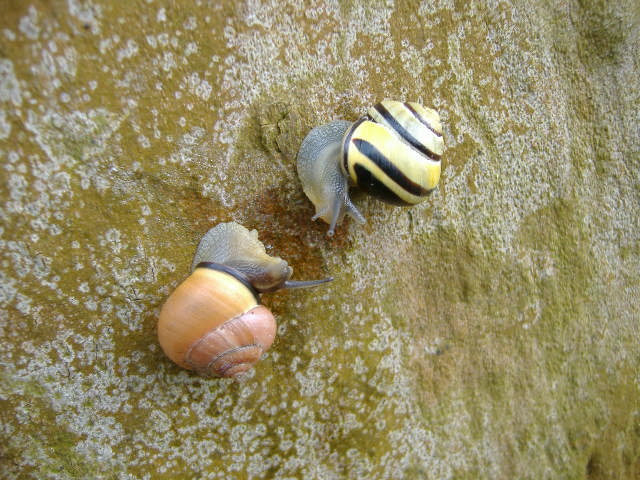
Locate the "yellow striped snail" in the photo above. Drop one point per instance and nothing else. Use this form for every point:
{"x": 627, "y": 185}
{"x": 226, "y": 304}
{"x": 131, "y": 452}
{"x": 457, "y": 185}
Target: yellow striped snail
{"x": 213, "y": 322}
{"x": 393, "y": 153}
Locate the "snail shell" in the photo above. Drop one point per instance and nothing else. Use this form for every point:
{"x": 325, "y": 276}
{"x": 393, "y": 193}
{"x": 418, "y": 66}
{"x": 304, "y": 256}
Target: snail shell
{"x": 393, "y": 153}
{"x": 213, "y": 322}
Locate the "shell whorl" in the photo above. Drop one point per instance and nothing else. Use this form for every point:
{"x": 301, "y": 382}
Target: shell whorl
{"x": 417, "y": 125}
{"x": 203, "y": 302}
{"x": 394, "y": 153}
{"x": 233, "y": 347}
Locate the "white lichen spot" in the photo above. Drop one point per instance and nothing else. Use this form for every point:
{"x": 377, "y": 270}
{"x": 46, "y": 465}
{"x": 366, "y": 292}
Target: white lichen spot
{"x": 5, "y": 126}
{"x": 29, "y": 24}
{"x": 128, "y": 51}
{"x": 23, "y": 303}
{"x": 90, "y": 132}
{"x": 144, "y": 141}
{"x": 9, "y": 86}
{"x": 162, "y": 15}
{"x": 163, "y": 39}
{"x": 413, "y": 60}
{"x": 190, "y": 49}
{"x": 168, "y": 61}
{"x": 105, "y": 45}
{"x": 67, "y": 62}
{"x": 87, "y": 12}
{"x": 112, "y": 238}
{"x": 8, "y": 289}
{"x": 17, "y": 186}
{"x": 198, "y": 87}
{"x": 191, "y": 23}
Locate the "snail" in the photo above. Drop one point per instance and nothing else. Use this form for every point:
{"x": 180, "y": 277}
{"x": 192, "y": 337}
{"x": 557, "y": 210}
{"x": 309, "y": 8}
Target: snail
{"x": 393, "y": 153}
{"x": 213, "y": 322}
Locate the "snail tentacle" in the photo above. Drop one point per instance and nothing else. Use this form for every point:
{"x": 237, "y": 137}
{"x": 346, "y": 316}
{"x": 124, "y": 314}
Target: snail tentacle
{"x": 306, "y": 283}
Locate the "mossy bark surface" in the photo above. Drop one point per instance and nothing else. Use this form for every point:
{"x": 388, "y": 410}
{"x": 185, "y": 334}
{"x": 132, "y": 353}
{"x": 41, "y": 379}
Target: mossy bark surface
{"x": 491, "y": 332}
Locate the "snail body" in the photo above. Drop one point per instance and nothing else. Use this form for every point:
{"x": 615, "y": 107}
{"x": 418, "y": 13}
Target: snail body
{"x": 213, "y": 323}
{"x": 392, "y": 153}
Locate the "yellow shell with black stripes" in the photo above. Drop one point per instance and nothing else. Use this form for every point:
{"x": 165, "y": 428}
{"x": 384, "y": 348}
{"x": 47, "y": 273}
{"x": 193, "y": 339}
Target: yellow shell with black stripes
{"x": 392, "y": 153}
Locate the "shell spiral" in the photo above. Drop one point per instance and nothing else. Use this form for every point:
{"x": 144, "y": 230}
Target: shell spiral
{"x": 394, "y": 152}
{"x": 212, "y": 323}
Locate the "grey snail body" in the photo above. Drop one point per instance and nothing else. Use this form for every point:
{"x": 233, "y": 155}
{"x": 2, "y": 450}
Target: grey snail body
{"x": 393, "y": 153}
{"x": 213, "y": 322}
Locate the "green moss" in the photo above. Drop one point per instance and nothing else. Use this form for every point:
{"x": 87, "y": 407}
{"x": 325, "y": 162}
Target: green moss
{"x": 488, "y": 333}
{"x": 477, "y": 302}
{"x": 49, "y": 446}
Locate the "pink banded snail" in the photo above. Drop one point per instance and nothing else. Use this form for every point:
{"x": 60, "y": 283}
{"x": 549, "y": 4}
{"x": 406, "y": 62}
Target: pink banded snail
{"x": 393, "y": 153}
{"x": 213, "y": 322}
